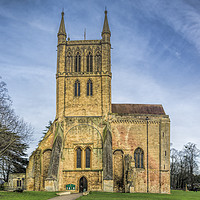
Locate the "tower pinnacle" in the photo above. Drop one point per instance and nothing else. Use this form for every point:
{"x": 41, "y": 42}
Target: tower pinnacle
{"x": 62, "y": 26}
{"x": 106, "y": 28}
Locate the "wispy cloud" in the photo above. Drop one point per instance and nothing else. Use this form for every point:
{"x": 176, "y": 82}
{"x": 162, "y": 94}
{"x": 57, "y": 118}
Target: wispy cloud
{"x": 155, "y": 56}
{"x": 182, "y": 16}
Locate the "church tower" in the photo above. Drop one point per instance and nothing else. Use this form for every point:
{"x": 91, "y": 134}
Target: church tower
{"x": 83, "y": 75}
{"x": 94, "y": 145}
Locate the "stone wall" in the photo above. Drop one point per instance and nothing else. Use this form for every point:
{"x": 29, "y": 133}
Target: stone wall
{"x": 16, "y": 180}
{"x": 46, "y": 161}
{"x": 99, "y": 103}
{"x": 81, "y": 132}
{"x": 36, "y": 170}
{"x": 130, "y": 132}
{"x": 88, "y": 122}
{"x": 94, "y": 179}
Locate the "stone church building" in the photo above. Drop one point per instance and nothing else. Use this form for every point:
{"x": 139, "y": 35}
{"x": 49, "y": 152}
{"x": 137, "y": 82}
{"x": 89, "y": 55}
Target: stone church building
{"x": 93, "y": 144}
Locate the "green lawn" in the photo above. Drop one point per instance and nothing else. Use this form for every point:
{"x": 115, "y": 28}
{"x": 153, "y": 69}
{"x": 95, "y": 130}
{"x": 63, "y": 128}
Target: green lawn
{"x": 27, "y": 195}
{"x": 175, "y": 195}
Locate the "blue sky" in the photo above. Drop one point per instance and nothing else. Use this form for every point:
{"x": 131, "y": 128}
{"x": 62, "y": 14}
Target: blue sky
{"x": 155, "y": 56}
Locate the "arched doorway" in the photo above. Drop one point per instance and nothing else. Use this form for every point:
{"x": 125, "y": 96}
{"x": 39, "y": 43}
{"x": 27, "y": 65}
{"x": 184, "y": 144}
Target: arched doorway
{"x": 83, "y": 184}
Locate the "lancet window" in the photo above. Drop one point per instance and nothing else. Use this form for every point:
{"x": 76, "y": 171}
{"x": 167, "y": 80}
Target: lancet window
{"x": 89, "y": 62}
{"x": 87, "y": 156}
{"x": 77, "y": 88}
{"x": 83, "y": 157}
{"x": 139, "y": 158}
{"x": 89, "y": 88}
{"x": 78, "y": 158}
{"x": 77, "y": 63}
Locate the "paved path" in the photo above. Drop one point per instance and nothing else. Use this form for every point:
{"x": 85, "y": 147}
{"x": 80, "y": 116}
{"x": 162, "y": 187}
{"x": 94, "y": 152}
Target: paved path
{"x": 67, "y": 197}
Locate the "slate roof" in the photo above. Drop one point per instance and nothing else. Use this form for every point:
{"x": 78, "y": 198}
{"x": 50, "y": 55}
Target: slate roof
{"x": 138, "y": 109}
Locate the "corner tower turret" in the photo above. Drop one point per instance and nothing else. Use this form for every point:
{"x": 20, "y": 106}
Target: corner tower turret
{"x": 60, "y": 82}
{"x": 106, "y": 30}
{"x": 62, "y": 33}
{"x": 106, "y": 64}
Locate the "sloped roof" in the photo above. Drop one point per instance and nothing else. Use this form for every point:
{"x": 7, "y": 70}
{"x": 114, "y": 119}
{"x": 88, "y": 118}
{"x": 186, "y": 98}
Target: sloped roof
{"x": 138, "y": 109}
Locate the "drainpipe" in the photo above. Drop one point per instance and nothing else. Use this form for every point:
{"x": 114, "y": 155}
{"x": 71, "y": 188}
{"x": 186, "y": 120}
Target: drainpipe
{"x": 147, "y": 155}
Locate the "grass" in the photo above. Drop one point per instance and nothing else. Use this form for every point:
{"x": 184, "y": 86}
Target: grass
{"x": 27, "y": 195}
{"x": 175, "y": 195}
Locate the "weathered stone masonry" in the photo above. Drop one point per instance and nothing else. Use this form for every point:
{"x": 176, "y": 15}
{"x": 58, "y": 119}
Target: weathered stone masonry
{"x": 93, "y": 144}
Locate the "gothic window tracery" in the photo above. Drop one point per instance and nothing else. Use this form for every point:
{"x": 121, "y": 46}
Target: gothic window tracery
{"x": 139, "y": 158}
{"x": 77, "y": 62}
{"x": 89, "y": 88}
{"x": 77, "y": 88}
{"x": 89, "y": 62}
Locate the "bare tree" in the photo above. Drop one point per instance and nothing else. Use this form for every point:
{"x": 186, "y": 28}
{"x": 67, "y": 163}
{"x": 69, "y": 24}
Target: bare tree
{"x": 184, "y": 166}
{"x": 191, "y": 153}
{"x": 15, "y": 134}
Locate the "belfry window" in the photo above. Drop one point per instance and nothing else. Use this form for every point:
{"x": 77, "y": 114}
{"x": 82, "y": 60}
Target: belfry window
{"x": 78, "y": 158}
{"x": 89, "y": 62}
{"x": 89, "y": 88}
{"x": 139, "y": 158}
{"x": 77, "y": 88}
{"x": 78, "y": 63}
{"x": 87, "y": 156}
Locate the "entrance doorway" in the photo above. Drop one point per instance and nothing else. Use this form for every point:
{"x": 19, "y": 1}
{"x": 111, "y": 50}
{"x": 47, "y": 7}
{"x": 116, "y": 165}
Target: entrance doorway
{"x": 83, "y": 184}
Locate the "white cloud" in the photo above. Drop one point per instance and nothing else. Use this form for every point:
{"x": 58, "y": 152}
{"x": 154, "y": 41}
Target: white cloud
{"x": 179, "y": 15}
{"x": 147, "y": 65}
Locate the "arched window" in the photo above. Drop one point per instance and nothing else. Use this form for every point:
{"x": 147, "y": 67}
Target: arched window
{"x": 78, "y": 158}
{"x": 87, "y": 156}
{"x": 77, "y": 88}
{"x": 89, "y": 88}
{"x": 139, "y": 158}
{"x": 89, "y": 62}
{"x": 78, "y": 63}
